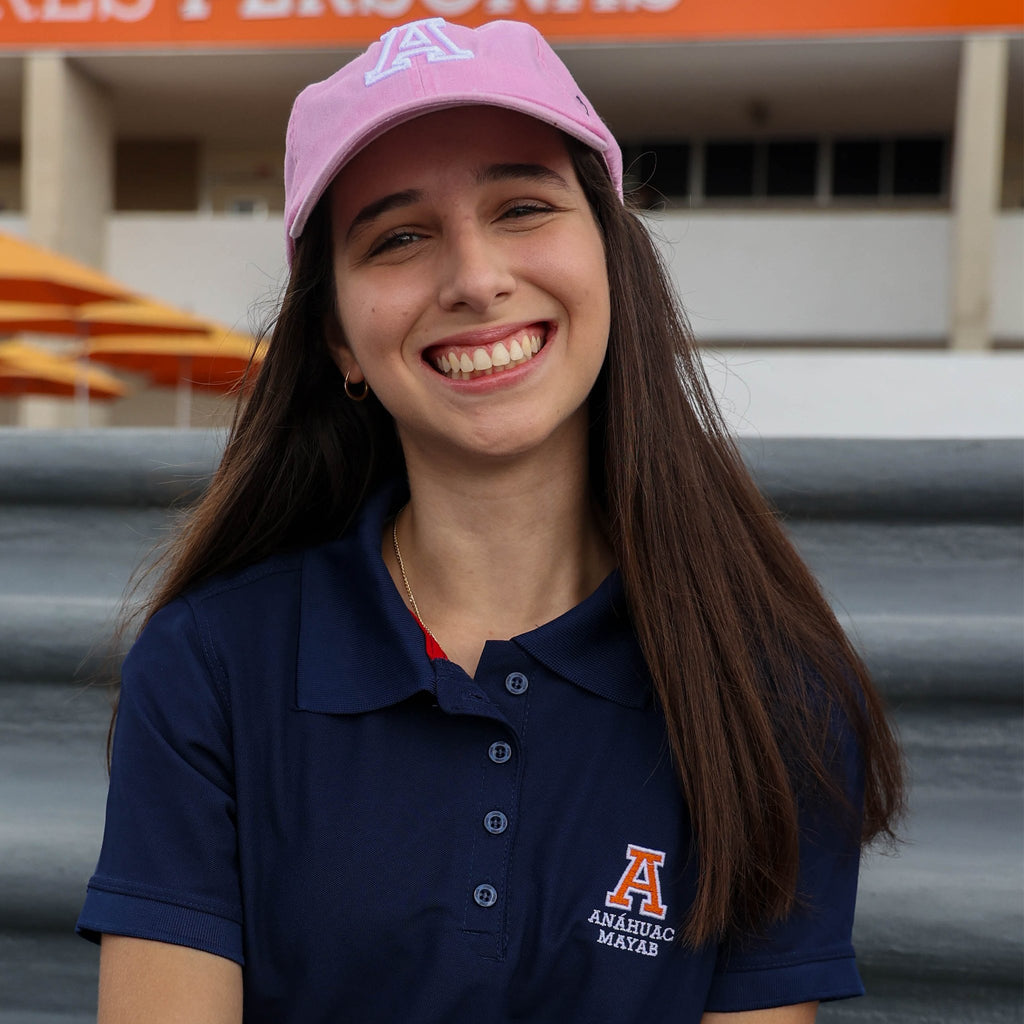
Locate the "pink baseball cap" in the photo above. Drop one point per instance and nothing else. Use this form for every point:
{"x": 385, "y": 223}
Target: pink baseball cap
{"x": 420, "y": 67}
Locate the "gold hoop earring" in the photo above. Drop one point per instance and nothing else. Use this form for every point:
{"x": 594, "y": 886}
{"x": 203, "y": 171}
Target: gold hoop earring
{"x": 356, "y": 396}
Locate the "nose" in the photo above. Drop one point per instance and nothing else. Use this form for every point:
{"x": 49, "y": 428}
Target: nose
{"x": 475, "y": 272}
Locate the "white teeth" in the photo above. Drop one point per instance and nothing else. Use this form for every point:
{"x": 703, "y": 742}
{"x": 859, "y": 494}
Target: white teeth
{"x": 465, "y": 366}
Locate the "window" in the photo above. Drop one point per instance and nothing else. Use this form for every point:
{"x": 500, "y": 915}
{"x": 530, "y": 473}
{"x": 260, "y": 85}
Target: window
{"x": 791, "y": 168}
{"x": 783, "y": 171}
{"x": 889, "y": 167}
{"x": 657, "y": 170}
{"x": 857, "y": 167}
{"x": 918, "y": 166}
{"x": 785, "y": 167}
{"x": 728, "y": 169}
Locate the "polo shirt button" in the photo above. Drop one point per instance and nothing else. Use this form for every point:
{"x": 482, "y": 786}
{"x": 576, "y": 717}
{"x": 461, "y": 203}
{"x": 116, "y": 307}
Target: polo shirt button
{"x": 516, "y": 683}
{"x": 499, "y": 752}
{"x": 495, "y": 822}
{"x": 485, "y": 895}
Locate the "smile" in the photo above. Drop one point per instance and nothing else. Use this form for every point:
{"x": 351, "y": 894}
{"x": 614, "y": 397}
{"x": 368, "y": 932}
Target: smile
{"x": 466, "y": 363}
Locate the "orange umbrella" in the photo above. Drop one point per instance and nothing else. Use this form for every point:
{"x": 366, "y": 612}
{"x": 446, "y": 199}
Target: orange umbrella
{"x": 27, "y": 370}
{"x": 216, "y": 360}
{"x": 31, "y": 274}
{"x": 141, "y": 316}
{"x": 36, "y": 317}
{"x": 99, "y": 318}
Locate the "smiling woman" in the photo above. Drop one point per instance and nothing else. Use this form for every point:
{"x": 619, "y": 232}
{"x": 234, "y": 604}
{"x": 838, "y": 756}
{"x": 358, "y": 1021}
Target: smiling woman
{"x": 392, "y": 743}
{"x": 499, "y": 264}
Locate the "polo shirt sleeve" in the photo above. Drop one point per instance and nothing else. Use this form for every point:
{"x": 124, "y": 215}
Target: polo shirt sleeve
{"x": 168, "y": 867}
{"x": 808, "y": 956}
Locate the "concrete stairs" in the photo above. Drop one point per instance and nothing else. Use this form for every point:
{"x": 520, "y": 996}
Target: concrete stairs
{"x": 918, "y": 544}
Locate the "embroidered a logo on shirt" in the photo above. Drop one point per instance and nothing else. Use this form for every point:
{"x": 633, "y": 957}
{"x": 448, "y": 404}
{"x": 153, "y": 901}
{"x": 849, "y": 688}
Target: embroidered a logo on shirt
{"x": 641, "y": 882}
{"x": 640, "y": 878}
{"x": 423, "y": 39}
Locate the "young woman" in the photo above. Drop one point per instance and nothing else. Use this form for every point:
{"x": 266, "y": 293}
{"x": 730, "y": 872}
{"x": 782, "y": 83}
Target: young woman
{"x": 482, "y": 686}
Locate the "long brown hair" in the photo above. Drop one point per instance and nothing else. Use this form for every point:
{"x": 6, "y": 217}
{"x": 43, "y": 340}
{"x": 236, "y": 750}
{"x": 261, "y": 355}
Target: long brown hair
{"x": 755, "y": 677}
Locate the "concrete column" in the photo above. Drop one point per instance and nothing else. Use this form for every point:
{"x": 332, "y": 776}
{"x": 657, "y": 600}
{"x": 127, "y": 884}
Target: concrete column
{"x": 68, "y": 159}
{"x": 976, "y": 187}
{"x": 68, "y": 186}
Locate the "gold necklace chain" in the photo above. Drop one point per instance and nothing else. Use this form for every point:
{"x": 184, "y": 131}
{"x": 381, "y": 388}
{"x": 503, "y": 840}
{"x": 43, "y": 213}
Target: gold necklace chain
{"x": 405, "y": 578}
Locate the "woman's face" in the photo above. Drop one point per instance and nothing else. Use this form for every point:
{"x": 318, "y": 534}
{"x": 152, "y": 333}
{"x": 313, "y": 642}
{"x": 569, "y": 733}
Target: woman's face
{"x": 471, "y": 285}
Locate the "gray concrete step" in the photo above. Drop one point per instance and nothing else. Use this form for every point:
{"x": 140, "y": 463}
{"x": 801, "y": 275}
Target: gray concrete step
{"x": 918, "y": 545}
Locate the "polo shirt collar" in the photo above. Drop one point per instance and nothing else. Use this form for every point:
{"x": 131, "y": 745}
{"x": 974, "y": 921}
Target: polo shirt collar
{"x": 361, "y": 650}
{"x": 593, "y": 645}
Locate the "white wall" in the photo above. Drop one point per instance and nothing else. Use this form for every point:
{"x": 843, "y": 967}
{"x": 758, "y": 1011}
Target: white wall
{"x": 821, "y": 276}
{"x": 744, "y": 276}
{"x": 811, "y": 276}
{"x": 1008, "y": 277}
{"x": 758, "y": 276}
{"x": 220, "y": 266}
{"x": 780, "y": 393}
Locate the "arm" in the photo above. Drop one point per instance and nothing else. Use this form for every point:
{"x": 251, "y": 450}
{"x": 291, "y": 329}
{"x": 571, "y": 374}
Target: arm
{"x": 168, "y": 870}
{"x": 803, "y": 1013}
{"x": 160, "y": 983}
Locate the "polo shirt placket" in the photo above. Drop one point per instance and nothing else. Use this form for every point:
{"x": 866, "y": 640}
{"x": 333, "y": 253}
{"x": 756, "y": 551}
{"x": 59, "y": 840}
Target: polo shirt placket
{"x": 500, "y": 691}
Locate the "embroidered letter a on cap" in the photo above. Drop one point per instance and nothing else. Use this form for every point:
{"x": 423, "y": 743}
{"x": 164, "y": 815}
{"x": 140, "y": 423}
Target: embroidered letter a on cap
{"x": 425, "y": 38}
{"x": 640, "y": 877}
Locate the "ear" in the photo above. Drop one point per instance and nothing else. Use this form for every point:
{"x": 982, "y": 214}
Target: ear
{"x": 339, "y": 351}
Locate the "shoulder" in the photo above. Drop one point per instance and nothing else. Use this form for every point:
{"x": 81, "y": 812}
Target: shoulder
{"x": 256, "y": 595}
{"x": 247, "y": 611}
{"x": 349, "y": 561}
{"x": 266, "y": 578}
{"x": 265, "y": 621}
{"x": 224, "y": 607}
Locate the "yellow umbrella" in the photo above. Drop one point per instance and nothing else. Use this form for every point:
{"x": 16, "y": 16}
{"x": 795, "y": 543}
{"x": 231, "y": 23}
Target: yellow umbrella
{"x": 38, "y": 317}
{"x": 215, "y": 361}
{"x": 28, "y": 370}
{"x": 99, "y": 318}
{"x": 29, "y": 273}
{"x": 141, "y": 316}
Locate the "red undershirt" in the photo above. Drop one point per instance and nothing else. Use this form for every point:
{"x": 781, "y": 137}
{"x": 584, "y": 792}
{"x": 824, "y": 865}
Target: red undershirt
{"x": 434, "y": 650}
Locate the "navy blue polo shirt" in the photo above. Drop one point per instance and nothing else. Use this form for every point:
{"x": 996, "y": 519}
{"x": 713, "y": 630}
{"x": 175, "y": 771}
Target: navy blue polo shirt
{"x": 376, "y": 836}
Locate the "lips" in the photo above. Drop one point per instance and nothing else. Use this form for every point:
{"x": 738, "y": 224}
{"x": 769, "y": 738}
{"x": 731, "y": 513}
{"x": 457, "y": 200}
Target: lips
{"x": 466, "y": 362}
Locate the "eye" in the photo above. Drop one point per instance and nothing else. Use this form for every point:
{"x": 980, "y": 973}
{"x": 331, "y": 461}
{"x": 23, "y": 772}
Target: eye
{"x": 394, "y": 240}
{"x": 526, "y": 208}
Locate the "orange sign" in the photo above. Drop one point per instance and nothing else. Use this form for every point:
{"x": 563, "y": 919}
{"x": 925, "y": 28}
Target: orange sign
{"x": 229, "y": 24}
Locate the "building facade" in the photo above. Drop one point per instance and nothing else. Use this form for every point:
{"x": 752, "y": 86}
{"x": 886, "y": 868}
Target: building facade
{"x": 821, "y": 179}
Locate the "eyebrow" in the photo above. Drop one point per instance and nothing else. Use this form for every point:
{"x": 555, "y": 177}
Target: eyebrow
{"x": 381, "y": 206}
{"x": 489, "y": 175}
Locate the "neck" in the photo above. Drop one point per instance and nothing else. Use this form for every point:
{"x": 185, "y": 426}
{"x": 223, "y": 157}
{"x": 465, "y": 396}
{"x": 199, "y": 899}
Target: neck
{"x": 495, "y": 554}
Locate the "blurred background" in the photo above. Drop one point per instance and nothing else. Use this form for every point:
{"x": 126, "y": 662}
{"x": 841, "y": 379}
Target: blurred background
{"x": 839, "y": 187}
{"x": 839, "y": 192}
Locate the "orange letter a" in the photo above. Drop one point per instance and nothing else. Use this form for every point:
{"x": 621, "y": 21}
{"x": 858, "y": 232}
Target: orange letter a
{"x": 640, "y": 876}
